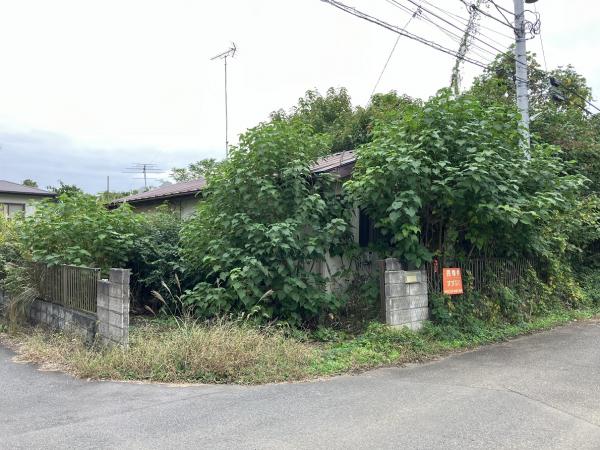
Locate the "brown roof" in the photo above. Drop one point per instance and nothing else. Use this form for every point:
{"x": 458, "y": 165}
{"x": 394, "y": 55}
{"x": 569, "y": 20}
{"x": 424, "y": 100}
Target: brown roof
{"x": 8, "y": 187}
{"x": 342, "y": 160}
{"x": 169, "y": 191}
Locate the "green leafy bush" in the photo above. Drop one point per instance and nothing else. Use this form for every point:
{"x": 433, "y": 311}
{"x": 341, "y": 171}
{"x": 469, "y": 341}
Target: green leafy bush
{"x": 265, "y": 222}
{"x": 155, "y": 259}
{"x": 450, "y": 178}
{"x": 77, "y": 229}
{"x": 10, "y": 249}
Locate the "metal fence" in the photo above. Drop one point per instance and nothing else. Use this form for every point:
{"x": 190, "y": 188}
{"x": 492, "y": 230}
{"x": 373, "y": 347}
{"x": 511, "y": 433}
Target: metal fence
{"x": 479, "y": 273}
{"x": 71, "y": 286}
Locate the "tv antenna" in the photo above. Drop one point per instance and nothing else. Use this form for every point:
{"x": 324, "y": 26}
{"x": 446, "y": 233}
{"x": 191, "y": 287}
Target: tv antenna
{"x": 145, "y": 169}
{"x": 226, "y": 54}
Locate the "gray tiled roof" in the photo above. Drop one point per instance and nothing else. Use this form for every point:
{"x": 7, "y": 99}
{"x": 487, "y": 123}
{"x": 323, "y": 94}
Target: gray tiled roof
{"x": 8, "y": 187}
{"x": 169, "y": 191}
{"x": 335, "y": 161}
{"x": 328, "y": 163}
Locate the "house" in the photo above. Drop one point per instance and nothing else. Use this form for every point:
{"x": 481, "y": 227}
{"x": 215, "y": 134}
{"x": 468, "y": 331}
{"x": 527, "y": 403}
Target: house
{"x": 181, "y": 197}
{"x": 17, "y": 198}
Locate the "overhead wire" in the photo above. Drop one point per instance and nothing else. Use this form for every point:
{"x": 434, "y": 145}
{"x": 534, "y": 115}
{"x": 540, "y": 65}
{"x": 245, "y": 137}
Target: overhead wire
{"x": 465, "y": 21}
{"x": 487, "y": 14}
{"x": 392, "y": 52}
{"x": 542, "y": 44}
{"x": 362, "y": 15}
{"x": 457, "y": 38}
{"x": 455, "y": 26}
{"x": 402, "y": 32}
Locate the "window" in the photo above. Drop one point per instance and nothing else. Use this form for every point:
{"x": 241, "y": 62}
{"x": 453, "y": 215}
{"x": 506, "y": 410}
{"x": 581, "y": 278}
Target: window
{"x": 367, "y": 233}
{"x": 12, "y": 209}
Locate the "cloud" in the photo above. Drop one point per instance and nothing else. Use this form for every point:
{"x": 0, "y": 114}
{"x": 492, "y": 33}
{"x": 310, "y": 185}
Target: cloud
{"x": 48, "y": 157}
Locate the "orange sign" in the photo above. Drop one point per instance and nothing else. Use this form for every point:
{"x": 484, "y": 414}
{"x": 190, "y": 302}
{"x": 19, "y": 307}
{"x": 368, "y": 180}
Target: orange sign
{"x": 452, "y": 280}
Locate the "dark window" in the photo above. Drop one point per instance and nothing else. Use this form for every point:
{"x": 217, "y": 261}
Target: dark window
{"x": 368, "y": 234}
{"x": 11, "y": 209}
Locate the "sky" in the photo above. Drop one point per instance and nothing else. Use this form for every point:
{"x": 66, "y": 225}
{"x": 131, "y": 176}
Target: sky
{"x": 90, "y": 87}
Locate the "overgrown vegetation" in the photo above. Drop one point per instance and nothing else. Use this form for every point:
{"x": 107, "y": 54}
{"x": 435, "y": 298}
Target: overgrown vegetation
{"x": 235, "y": 352}
{"x": 265, "y": 223}
{"x": 444, "y": 178}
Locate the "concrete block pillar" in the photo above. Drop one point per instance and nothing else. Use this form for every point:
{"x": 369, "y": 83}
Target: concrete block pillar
{"x": 404, "y": 295}
{"x": 113, "y": 307}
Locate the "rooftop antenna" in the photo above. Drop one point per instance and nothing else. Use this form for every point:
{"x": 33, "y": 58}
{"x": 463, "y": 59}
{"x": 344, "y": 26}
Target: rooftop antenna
{"x": 226, "y": 54}
{"x": 145, "y": 169}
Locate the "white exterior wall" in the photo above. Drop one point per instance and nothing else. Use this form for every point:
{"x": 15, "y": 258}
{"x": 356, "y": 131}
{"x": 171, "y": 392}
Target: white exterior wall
{"x": 23, "y": 199}
{"x": 184, "y": 206}
{"x": 334, "y": 264}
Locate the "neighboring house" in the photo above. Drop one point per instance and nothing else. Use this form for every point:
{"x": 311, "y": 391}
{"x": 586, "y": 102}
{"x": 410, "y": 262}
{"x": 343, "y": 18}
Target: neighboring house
{"x": 181, "y": 198}
{"x": 18, "y": 198}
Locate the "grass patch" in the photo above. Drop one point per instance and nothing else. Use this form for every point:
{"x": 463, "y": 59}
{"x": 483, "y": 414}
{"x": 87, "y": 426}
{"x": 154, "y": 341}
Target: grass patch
{"x": 220, "y": 353}
{"x": 233, "y": 352}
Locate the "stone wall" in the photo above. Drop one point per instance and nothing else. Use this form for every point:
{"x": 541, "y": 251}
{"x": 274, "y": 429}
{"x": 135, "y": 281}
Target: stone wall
{"x": 404, "y": 295}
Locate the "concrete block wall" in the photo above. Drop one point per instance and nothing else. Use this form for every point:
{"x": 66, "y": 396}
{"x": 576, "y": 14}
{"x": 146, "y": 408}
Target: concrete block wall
{"x": 404, "y": 295}
{"x": 110, "y": 323}
{"x": 62, "y": 318}
{"x": 113, "y": 307}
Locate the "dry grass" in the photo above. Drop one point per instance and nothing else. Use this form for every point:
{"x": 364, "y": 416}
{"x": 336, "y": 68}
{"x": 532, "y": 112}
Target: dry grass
{"x": 234, "y": 352}
{"x": 219, "y": 353}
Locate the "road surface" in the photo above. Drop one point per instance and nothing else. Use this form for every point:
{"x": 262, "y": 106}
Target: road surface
{"x": 539, "y": 391}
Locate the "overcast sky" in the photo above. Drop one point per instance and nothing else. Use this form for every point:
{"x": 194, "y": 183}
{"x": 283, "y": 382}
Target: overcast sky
{"x": 89, "y": 87}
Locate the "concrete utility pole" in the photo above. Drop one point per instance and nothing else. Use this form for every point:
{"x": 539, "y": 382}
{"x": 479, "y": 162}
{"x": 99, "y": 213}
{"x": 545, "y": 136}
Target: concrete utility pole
{"x": 521, "y": 73}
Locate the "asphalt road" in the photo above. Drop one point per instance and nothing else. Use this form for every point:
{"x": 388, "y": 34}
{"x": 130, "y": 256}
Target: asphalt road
{"x": 540, "y": 391}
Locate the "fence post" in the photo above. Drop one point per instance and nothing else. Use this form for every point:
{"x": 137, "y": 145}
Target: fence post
{"x": 63, "y": 285}
{"x": 405, "y": 296}
{"x": 113, "y": 307}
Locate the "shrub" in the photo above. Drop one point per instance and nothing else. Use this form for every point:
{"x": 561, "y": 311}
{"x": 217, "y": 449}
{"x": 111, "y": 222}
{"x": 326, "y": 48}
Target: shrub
{"x": 265, "y": 222}
{"x": 155, "y": 258}
{"x": 78, "y": 229}
{"x": 450, "y": 178}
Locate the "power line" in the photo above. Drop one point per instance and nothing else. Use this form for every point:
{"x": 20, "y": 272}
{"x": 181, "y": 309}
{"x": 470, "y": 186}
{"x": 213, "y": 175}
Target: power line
{"x": 392, "y": 52}
{"x": 501, "y": 9}
{"x": 488, "y": 15}
{"x": 457, "y": 38}
{"x": 362, "y": 15}
{"x": 498, "y": 7}
{"x": 465, "y": 21}
{"x": 542, "y": 44}
{"x": 455, "y": 26}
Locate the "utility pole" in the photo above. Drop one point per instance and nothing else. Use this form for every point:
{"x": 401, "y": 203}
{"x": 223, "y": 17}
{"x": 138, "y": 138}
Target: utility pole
{"x": 521, "y": 73}
{"x": 226, "y": 54}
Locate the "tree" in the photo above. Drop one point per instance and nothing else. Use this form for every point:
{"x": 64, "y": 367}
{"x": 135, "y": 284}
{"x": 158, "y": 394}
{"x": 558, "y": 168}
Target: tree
{"x": 264, "y": 223}
{"x": 334, "y": 117}
{"x": 108, "y": 197}
{"x": 199, "y": 169}
{"x": 558, "y": 112}
{"x": 62, "y": 188}
{"x": 29, "y": 182}
{"x": 448, "y": 178}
